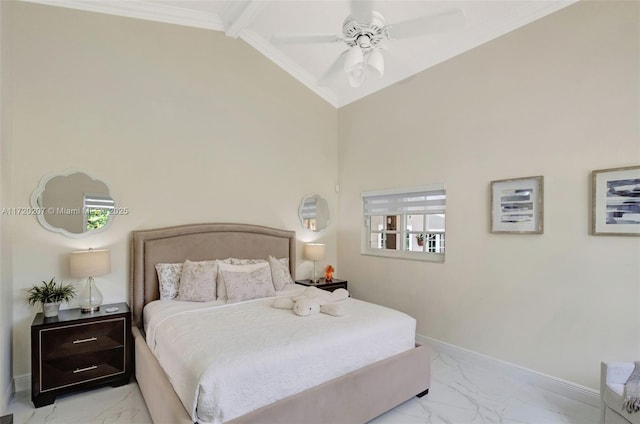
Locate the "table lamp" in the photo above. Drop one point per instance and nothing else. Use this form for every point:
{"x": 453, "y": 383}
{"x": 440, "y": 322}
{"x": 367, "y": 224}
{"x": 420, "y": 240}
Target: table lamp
{"x": 90, "y": 263}
{"x": 314, "y": 252}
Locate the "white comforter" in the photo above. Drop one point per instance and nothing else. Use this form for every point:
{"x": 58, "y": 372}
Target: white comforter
{"x": 227, "y": 360}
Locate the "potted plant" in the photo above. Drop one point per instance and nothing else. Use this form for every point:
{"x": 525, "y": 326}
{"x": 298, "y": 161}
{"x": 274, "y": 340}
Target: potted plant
{"x": 50, "y": 295}
{"x": 420, "y": 239}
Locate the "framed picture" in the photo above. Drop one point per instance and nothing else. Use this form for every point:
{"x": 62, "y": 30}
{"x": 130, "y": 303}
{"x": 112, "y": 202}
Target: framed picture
{"x": 516, "y": 205}
{"x": 615, "y": 201}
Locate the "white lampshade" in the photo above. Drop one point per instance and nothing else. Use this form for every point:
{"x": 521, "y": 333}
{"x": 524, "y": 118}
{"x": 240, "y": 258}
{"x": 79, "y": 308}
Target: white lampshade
{"x": 375, "y": 61}
{"x": 90, "y": 263}
{"x": 314, "y": 251}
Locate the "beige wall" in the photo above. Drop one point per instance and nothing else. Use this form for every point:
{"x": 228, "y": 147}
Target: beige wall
{"x": 191, "y": 126}
{"x": 6, "y": 278}
{"x": 184, "y": 125}
{"x": 558, "y": 98}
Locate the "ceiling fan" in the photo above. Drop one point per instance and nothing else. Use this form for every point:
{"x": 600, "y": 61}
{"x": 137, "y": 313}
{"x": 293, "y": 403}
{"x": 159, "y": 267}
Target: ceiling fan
{"x": 364, "y": 32}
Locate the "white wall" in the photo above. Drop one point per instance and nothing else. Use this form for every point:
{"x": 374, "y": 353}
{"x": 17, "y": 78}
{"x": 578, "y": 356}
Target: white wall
{"x": 184, "y": 125}
{"x": 558, "y": 98}
{"x": 6, "y": 280}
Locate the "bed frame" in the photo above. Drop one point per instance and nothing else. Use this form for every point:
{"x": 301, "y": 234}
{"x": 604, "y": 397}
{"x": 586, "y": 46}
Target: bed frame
{"x": 356, "y": 397}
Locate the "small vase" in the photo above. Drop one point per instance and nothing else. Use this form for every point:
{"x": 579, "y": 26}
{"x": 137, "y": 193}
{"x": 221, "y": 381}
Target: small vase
{"x": 51, "y": 309}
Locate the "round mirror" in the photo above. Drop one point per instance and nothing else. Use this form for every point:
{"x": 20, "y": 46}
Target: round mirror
{"x": 73, "y": 204}
{"x": 314, "y": 213}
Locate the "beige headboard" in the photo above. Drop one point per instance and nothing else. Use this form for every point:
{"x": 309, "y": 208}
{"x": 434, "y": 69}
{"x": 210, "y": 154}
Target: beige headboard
{"x": 199, "y": 242}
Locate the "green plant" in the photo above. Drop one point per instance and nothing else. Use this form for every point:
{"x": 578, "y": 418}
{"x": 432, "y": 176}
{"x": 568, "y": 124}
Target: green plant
{"x": 420, "y": 238}
{"x": 50, "y": 292}
{"x": 97, "y": 218}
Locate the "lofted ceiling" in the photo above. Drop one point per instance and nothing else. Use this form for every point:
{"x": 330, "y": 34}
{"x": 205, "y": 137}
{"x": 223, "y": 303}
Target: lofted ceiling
{"x": 261, "y": 23}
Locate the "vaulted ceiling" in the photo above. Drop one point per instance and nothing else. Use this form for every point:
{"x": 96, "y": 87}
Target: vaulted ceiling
{"x": 432, "y": 31}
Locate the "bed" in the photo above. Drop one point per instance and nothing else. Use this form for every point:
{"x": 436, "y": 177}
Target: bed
{"x": 355, "y": 397}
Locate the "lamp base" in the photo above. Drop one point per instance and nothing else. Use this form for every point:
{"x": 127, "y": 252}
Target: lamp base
{"x": 90, "y": 309}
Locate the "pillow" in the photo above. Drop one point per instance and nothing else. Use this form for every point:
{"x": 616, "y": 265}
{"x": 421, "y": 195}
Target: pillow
{"x": 222, "y": 289}
{"x": 198, "y": 281}
{"x": 248, "y": 285}
{"x": 280, "y": 272}
{"x": 169, "y": 279}
{"x": 236, "y": 261}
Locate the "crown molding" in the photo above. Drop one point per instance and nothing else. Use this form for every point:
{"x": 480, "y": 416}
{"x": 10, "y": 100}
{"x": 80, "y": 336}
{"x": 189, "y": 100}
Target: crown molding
{"x": 142, "y": 10}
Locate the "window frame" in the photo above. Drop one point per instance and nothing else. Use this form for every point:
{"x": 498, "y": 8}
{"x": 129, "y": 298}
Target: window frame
{"x": 401, "y": 226}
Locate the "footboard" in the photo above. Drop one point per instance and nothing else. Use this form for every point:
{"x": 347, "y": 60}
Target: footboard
{"x": 357, "y": 397}
{"x": 353, "y": 398}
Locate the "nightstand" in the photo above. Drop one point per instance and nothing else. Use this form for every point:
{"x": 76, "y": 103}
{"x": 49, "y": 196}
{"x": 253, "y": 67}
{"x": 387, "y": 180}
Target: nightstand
{"x": 75, "y": 350}
{"x": 324, "y": 285}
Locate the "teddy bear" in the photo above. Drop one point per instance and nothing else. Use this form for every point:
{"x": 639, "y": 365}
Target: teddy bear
{"x": 314, "y": 300}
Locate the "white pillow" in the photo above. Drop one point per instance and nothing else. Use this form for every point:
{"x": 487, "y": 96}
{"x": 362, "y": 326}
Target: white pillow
{"x": 280, "y": 272}
{"x": 198, "y": 281}
{"x": 236, "y": 261}
{"x": 222, "y": 289}
{"x": 248, "y": 285}
{"x": 169, "y": 279}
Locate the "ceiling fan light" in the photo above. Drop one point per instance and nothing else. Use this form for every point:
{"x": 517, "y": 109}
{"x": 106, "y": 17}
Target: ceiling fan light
{"x": 364, "y": 41}
{"x": 353, "y": 59}
{"x": 375, "y": 61}
{"x": 356, "y": 77}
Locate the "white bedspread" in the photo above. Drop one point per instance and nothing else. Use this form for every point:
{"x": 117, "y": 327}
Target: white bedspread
{"x": 227, "y": 360}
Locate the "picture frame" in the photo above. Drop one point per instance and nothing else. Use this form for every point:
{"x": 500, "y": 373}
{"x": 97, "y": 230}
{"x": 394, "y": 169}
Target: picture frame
{"x": 517, "y": 205}
{"x": 615, "y": 201}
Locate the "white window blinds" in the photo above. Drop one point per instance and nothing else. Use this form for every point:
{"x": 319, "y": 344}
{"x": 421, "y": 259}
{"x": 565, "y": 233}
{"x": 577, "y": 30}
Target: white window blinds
{"x": 421, "y": 200}
{"x": 97, "y": 201}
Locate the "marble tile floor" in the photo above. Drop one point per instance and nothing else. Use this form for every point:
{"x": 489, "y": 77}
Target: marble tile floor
{"x": 461, "y": 393}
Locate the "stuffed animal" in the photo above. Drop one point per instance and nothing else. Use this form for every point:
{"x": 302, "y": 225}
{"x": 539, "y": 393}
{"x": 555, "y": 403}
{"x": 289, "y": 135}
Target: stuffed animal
{"x": 314, "y": 300}
{"x": 306, "y": 306}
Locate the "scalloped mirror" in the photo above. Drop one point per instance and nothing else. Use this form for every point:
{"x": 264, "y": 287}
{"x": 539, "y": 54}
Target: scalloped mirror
{"x": 73, "y": 204}
{"x": 314, "y": 213}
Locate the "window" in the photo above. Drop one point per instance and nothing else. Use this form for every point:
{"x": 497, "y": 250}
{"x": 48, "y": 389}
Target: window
{"x": 405, "y": 223}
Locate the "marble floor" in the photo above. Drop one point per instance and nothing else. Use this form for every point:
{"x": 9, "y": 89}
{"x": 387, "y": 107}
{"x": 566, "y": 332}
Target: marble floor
{"x": 461, "y": 392}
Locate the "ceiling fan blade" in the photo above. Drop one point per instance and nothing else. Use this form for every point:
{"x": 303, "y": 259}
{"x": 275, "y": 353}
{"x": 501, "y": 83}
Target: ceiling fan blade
{"x": 304, "y": 39}
{"x": 361, "y": 10}
{"x": 425, "y": 25}
{"x": 336, "y": 68}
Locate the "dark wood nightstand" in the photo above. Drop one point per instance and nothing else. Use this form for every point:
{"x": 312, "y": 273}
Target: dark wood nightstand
{"x": 324, "y": 285}
{"x": 76, "y": 350}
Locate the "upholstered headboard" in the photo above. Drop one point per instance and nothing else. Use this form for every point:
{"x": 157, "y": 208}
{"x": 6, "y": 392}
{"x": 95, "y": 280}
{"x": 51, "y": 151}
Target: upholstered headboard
{"x": 199, "y": 242}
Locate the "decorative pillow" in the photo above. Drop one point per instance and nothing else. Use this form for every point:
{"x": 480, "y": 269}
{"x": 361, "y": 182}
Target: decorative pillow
{"x": 248, "y": 285}
{"x": 169, "y": 279}
{"x": 222, "y": 289}
{"x": 236, "y": 261}
{"x": 280, "y": 272}
{"x": 198, "y": 281}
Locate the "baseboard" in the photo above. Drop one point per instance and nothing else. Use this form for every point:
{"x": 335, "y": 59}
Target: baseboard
{"x": 22, "y": 383}
{"x": 553, "y": 384}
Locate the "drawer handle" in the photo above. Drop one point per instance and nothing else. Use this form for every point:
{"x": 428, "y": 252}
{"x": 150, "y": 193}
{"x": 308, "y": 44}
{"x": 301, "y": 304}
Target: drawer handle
{"x": 92, "y": 367}
{"x": 92, "y": 339}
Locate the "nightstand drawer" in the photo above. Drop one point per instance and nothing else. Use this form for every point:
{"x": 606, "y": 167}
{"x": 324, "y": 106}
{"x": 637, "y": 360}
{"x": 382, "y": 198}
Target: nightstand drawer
{"x": 66, "y": 371}
{"x": 77, "y": 339}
